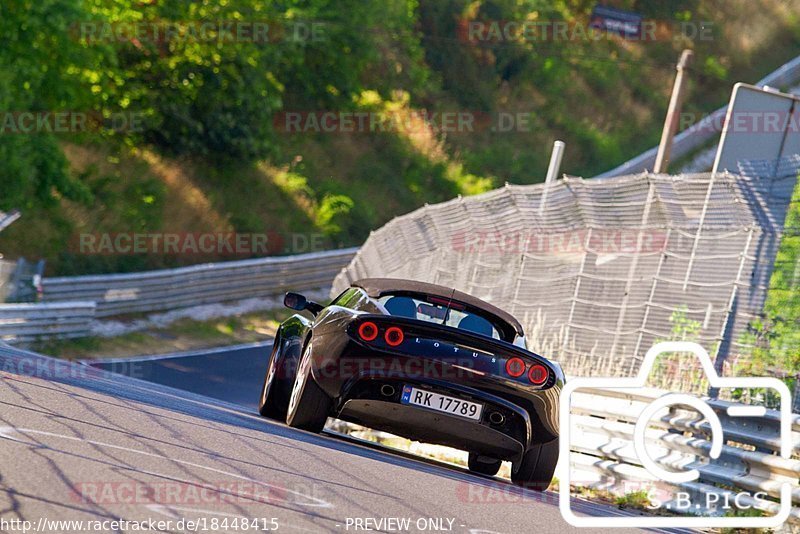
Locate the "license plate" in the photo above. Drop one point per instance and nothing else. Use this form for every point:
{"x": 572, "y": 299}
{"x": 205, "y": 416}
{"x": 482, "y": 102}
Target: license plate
{"x": 441, "y": 403}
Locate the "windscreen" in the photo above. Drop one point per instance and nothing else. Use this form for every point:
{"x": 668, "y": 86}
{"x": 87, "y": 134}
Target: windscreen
{"x": 436, "y": 310}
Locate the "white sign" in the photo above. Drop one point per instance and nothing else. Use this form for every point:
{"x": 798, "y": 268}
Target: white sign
{"x": 761, "y": 124}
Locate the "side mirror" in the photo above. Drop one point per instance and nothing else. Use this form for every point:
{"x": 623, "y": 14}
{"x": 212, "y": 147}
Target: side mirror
{"x": 296, "y": 301}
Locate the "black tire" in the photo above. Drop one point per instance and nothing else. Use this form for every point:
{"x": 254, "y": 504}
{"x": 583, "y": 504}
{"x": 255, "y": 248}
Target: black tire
{"x": 483, "y": 465}
{"x": 274, "y": 401}
{"x": 535, "y": 470}
{"x": 309, "y": 406}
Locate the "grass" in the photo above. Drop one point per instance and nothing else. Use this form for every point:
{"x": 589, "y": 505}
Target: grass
{"x": 637, "y": 500}
{"x": 634, "y": 500}
{"x": 752, "y": 512}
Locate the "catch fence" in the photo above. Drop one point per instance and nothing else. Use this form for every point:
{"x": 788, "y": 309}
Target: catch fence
{"x": 600, "y": 270}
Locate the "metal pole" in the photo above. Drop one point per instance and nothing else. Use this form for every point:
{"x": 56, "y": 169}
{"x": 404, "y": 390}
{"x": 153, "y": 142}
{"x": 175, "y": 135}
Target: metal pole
{"x": 673, "y": 114}
{"x": 586, "y": 244}
{"x": 555, "y": 161}
{"x": 634, "y": 263}
{"x": 796, "y": 403}
{"x": 552, "y": 170}
{"x": 650, "y": 297}
{"x": 699, "y": 230}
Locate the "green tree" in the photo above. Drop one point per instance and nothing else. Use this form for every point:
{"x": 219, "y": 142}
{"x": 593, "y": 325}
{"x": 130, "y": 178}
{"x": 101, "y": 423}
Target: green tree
{"x": 42, "y": 69}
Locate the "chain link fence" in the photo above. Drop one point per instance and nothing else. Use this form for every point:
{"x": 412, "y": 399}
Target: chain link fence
{"x": 599, "y": 270}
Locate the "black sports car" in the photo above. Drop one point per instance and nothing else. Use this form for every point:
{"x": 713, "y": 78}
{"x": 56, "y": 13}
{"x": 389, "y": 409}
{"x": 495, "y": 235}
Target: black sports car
{"x": 421, "y": 361}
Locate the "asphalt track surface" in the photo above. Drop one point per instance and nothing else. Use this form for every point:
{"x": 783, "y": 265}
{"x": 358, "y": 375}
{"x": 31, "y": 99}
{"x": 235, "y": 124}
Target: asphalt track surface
{"x": 230, "y": 374}
{"x": 81, "y": 443}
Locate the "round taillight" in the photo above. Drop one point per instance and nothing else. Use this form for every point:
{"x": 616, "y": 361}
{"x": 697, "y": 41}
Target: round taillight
{"x": 368, "y": 331}
{"x": 393, "y": 336}
{"x": 515, "y": 367}
{"x": 537, "y": 374}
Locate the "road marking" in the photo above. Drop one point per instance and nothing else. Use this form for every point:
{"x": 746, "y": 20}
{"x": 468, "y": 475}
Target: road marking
{"x": 311, "y": 501}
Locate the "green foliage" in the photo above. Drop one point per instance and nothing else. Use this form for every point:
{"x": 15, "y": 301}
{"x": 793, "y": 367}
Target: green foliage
{"x": 680, "y": 371}
{"x": 744, "y": 512}
{"x": 207, "y": 104}
{"x": 332, "y": 210}
{"x": 39, "y": 71}
{"x": 775, "y": 340}
{"x": 638, "y": 500}
{"x": 214, "y": 94}
{"x": 683, "y": 328}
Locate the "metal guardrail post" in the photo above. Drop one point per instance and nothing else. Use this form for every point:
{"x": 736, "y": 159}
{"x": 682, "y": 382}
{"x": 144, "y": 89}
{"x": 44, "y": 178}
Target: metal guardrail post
{"x": 796, "y": 396}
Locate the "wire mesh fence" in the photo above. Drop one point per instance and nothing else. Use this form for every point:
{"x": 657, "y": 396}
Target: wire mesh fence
{"x": 599, "y": 270}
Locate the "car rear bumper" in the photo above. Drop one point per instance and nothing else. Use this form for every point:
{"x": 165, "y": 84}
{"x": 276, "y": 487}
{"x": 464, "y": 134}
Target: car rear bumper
{"x": 432, "y": 427}
{"x": 348, "y": 370}
{"x": 503, "y": 431}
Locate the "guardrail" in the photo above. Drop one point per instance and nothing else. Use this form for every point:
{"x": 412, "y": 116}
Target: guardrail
{"x": 198, "y": 284}
{"x": 7, "y": 218}
{"x": 72, "y": 304}
{"x": 698, "y": 134}
{"x": 603, "y": 456}
{"x": 27, "y": 322}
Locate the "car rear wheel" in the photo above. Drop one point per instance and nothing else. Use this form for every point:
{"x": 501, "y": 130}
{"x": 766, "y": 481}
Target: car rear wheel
{"x": 309, "y": 406}
{"x": 535, "y": 470}
{"x": 483, "y": 465}
{"x": 274, "y": 401}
